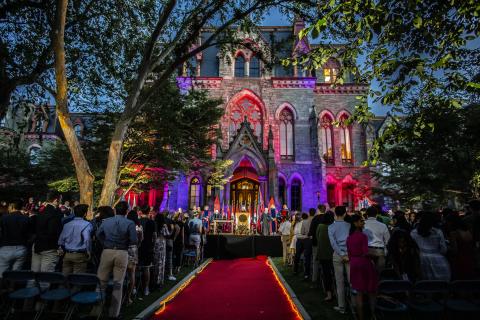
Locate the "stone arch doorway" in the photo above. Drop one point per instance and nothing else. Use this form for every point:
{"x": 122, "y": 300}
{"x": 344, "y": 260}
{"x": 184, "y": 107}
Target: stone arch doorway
{"x": 244, "y": 188}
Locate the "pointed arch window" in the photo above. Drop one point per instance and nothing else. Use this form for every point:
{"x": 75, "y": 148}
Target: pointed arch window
{"x": 78, "y": 130}
{"x": 345, "y": 140}
{"x": 34, "y": 155}
{"x": 327, "y": 138}
{"x": 296, "y": 195}
{"x": 240, "y": 66}
{"x": 286, "y": 134}
{"x": 254, "y": 67}
{"x": 194, "y": 194}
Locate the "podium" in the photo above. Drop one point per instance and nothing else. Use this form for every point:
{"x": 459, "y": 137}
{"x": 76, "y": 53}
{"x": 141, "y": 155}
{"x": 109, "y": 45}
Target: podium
{"x": 242, "y": 223}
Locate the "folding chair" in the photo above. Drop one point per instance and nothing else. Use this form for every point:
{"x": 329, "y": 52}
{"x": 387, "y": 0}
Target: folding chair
{"x": 427, "y": 297}
{"x": 464, "y": 297}
{"x": 57, "y": 289}
{"x": 392, "y": 296}
{"x": 19, "y": 284}
{"x": 85, "y": 292}
{"x": 389, "y": 274}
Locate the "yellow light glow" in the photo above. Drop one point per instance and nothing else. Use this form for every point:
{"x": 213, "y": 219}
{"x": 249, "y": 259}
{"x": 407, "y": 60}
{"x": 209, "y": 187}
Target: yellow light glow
{"x": 171, "y": 296}
{"x": 285, "y": 292}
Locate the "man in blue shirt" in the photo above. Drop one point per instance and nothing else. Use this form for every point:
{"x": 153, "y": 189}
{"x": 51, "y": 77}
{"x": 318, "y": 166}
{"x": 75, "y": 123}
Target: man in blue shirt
{"x": 116, "y": 234}
{"x": 338, "y": 233}
{"x": 75, "y": 241}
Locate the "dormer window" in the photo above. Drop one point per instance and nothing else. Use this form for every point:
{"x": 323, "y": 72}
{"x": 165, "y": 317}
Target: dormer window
{"x": 330, "y": 75}
{"x": 240, "y": 66}
{"x": 330, "y": 71}
{"x": 78, "y": 130}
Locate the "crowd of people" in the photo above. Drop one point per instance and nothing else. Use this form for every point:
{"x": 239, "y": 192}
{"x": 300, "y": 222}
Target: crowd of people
{"x": 118, "y": 242}
{"x": 351, "y": 251}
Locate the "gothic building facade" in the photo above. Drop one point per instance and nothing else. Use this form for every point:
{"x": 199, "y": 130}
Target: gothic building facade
{"x": 285, "y": 129}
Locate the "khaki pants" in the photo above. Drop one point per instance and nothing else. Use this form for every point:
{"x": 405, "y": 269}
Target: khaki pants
{"x": 113, "y": 261}
{"x": 44, "y": 261}
{"x": 74, "y": 262}
{"x": 339, "y": 269}
{"x": 378, "y": 256}
{"x": 285, "y": 245}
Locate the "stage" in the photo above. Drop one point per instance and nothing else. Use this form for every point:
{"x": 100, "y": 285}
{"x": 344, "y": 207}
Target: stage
{"x": 228, "y": 246}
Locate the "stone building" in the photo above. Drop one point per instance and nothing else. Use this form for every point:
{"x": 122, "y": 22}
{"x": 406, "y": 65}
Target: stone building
{"x": 284, "y": 128}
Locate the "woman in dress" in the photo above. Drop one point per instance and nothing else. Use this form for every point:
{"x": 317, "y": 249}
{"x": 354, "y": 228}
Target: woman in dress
{"x": 432, "y": 246}
{"x": 363, "y": 277}
{"x": 159, "y": 251}
{"x": 296, "y": 230}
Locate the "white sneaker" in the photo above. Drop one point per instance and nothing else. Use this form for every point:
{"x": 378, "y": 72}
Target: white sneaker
{"x": 172, "y": 278}
{"x": 146, "y": 292}
{"x": 339, "y": 309}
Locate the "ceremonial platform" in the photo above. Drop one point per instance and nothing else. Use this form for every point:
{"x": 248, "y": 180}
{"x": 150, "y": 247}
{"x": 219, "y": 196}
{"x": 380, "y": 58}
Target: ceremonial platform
{"x": 229, "y": 246}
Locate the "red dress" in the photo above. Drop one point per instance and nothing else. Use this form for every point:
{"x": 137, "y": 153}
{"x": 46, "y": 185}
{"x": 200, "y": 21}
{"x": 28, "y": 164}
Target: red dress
{"x": 363, "y": 276}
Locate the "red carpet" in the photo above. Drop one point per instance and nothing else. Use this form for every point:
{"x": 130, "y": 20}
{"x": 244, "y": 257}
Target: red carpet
{"x": 232, "y": 289}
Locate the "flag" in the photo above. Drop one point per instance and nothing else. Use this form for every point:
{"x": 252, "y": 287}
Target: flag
{"x": 216, "y": 205}
{"x": 260, "y": 210}
{"x": 228, "y": 212}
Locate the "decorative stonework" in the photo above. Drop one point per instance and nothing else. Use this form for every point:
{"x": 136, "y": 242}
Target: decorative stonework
{"x": 293, "y": 83}
{"x": 44, "y": 136}
{"x": 349, "y": 88}
{"x": 186, "y": 83}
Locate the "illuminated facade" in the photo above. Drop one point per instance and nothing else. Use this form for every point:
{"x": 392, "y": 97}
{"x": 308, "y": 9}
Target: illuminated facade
{"x": 284, "y": 128}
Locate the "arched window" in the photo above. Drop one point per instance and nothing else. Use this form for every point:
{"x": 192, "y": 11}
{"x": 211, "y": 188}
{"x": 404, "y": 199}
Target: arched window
{"x": 78, "y": 130}
{"x": 282, "y": 191}
{"x": 327, "y": 138}
{"x": 34, "y": 155}
{"x": 239, "y": 66}
{"x": 296, "y": 195}
{"x": 3, "y": 121}
{"x": 345, "y": 140}
{"x": 254, "y": 67}
{"x": 286, "y": 134}
{"x": 194, "y": 200}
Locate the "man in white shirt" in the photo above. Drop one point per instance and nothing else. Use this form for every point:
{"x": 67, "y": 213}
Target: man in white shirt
{"x": 284, "y": 230}
{"x": 378, "y": 236}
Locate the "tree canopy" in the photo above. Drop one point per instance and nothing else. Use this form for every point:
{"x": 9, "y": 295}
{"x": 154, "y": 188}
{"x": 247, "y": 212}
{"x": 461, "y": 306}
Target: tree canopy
{"x": 421, "y": 59}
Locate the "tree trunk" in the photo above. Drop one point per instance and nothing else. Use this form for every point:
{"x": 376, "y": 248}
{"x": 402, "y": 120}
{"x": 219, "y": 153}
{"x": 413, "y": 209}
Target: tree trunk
{"x": 110, "y": 183}
{"x": 84, "y": 176}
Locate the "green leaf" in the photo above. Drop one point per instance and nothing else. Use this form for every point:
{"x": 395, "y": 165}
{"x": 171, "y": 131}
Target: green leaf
{"x": 417, "y": 22}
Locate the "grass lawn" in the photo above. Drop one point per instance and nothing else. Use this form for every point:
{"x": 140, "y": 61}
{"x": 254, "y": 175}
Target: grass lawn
{"x": 139, "y": 305}
{"x": 311, "y": 298}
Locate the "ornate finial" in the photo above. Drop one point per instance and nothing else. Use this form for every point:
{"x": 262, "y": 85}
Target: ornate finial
{"x": 270, "y": 133}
